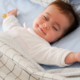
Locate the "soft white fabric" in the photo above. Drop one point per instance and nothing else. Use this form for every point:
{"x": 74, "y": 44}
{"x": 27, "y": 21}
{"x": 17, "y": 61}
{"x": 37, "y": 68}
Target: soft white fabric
{"x": 30, "y": 43}
{"x": 13, "y": 66}
{"x": 45, "y": 2}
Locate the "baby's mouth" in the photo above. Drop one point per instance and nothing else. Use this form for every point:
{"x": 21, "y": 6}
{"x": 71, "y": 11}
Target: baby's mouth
{"x": 42, "y": 30}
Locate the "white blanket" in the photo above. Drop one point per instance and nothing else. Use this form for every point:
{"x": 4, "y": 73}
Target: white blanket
{"x": 15, "y": 66}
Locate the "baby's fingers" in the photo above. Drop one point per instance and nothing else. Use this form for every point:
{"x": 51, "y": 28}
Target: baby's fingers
{"x": 12, "y": 12}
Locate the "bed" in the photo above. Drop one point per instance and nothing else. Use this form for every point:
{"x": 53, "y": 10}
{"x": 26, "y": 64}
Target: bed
{"x": 14, "y": 66}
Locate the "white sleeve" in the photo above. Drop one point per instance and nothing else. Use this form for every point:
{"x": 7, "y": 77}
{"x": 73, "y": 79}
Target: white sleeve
{"x": 51, "y": 56}
{"x": 10, "y": 23}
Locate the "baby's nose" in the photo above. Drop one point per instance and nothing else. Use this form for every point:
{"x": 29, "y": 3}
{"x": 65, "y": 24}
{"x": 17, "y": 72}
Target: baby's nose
{"x": 46, "y": 25}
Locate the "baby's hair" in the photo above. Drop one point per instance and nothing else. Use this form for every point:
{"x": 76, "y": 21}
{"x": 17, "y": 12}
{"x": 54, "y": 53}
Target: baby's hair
{"x": 68, "y": 10}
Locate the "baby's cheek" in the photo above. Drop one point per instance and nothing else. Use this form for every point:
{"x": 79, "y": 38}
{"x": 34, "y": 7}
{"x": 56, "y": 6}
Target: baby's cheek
{"x": 40, "y": 20}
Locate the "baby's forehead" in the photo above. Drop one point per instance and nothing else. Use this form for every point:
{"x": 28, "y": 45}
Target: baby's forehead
{"x": 60, "y": 10}
{"x": 52, "y": 9}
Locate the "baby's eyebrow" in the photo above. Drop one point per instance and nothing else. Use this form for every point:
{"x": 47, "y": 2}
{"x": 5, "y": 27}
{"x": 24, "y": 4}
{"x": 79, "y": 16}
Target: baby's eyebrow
{"x": 47, "y": 13}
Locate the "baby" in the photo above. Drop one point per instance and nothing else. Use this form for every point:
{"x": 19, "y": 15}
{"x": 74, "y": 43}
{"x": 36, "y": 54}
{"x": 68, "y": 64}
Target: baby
{"x": 56, "y": 21}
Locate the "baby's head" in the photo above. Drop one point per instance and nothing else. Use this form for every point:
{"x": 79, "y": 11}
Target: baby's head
{"x": 57, "y": 20}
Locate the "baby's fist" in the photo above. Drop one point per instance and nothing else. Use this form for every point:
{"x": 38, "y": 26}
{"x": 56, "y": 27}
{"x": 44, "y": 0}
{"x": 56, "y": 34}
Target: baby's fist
{"x": 12, "y": 12}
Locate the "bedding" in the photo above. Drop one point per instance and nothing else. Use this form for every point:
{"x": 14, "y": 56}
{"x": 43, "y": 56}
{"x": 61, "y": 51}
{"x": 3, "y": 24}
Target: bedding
{"x": 13, "y": 62}
{"x": 45, "y": 2}
{"x": 74, "y": 1}
{"x": 16, "y": 66}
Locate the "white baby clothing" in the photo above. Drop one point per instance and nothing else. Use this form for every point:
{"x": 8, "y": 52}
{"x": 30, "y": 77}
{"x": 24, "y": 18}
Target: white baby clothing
{"x": 28, "y": 42}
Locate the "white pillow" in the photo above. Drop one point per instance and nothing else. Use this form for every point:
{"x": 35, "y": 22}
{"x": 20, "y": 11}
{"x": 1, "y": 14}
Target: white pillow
{"x": 45, "y": 2}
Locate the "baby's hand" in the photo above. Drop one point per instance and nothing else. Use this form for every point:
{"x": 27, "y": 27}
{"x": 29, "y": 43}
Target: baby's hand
{"x": 12, "y": 12}
{"x": 77, "y": 56}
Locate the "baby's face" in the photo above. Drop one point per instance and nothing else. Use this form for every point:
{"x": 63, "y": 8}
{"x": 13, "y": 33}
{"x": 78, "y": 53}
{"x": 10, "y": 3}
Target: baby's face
{"x": 51, "y": 24}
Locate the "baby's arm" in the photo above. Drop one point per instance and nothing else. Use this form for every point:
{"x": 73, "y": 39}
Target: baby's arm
{"x": 72, "y": 57}
{"x": 11, "y": 22}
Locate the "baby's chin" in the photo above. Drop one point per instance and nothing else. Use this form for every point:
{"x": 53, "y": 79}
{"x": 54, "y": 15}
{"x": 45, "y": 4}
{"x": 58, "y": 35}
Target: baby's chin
{"x": 35, "y": 31}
